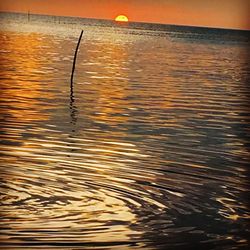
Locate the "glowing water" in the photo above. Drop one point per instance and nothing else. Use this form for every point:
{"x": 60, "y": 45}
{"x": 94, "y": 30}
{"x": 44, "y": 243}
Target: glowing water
{"x": 149, "y": 150}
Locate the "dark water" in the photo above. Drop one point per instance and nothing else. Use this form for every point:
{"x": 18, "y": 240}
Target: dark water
{"x": 148, "y": 150}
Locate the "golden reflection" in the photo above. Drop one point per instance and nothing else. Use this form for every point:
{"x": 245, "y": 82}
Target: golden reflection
{"x": 95, "y": 178}
{"x": 230, "y": 208}
{"x": 22, "y": 63}
{"x": 107, "y": 74}
{"x": 76, "y": 207}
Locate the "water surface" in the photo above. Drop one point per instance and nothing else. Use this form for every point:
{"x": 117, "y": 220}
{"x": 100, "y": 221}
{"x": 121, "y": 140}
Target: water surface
{"x": 149, "y": 149}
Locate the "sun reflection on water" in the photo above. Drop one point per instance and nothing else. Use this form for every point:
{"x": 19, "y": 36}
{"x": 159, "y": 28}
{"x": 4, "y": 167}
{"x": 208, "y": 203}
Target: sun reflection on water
{"x": 142, "y": 151}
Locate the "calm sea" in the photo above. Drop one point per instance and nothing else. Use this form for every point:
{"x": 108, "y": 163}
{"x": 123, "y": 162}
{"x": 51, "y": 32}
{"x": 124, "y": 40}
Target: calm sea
{"x": 148, "y": 149}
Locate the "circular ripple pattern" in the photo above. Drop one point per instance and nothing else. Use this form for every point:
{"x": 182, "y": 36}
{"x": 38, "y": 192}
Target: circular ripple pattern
{"x": 148, "y": 150}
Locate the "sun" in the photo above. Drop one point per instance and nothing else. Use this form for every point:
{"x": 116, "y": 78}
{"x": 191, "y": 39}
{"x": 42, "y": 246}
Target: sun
{"x": 121, "y": 18}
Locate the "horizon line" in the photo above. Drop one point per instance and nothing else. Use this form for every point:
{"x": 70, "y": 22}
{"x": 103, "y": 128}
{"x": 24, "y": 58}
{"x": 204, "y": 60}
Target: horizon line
{"x": 143, "y": 22}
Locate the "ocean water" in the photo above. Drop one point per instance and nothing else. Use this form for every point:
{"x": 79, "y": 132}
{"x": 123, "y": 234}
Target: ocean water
{"x": 148, "y": 149}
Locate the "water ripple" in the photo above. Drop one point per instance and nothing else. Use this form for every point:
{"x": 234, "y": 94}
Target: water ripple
{"x": 149, "y": 150}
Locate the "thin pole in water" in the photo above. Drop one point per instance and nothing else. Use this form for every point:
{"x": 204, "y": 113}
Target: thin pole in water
{"x": 74, "y": 62}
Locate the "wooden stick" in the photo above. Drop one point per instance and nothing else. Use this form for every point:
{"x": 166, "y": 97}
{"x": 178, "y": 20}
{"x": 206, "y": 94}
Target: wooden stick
{"x": 74, "y": 62}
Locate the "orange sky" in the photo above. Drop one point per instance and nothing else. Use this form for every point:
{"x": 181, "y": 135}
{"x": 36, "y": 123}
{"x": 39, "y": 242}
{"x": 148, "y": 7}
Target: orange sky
{"x": 211, "y": 13}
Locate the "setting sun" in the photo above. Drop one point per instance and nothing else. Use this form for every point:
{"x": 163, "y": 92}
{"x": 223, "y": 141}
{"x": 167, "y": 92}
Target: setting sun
{"x": 121, "y": 18}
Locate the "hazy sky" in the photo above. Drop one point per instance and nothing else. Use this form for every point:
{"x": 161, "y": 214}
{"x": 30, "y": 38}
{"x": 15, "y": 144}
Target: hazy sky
{"x": 212, "y": 13}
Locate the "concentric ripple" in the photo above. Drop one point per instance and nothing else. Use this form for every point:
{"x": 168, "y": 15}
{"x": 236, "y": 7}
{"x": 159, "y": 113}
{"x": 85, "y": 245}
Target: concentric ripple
{"x": 148, "y": 150}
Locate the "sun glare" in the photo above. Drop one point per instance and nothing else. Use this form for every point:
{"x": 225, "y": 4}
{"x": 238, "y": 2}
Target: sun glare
{"x": 121, "y": 18}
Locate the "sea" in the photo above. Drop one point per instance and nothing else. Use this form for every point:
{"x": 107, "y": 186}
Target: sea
{"x": 147, "y": 148}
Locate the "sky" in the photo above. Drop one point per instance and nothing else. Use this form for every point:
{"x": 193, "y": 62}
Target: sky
{"x": 208, "y": 13}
